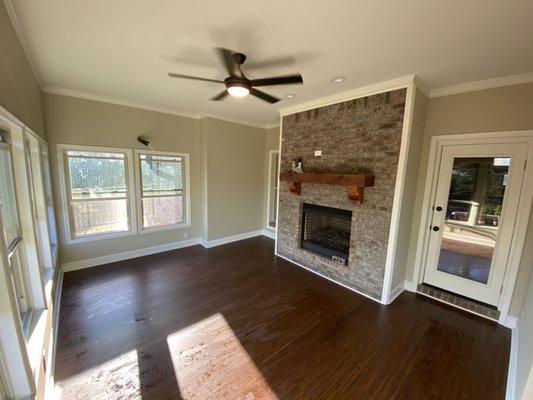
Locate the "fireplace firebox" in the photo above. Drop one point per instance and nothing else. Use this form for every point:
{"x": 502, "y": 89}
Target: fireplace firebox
{"x": 326, "y": 232}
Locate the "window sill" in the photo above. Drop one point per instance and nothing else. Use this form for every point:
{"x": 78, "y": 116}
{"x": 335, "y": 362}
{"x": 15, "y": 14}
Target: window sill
{"x": 71, "y": 241}
{"x": 165, "y": 228}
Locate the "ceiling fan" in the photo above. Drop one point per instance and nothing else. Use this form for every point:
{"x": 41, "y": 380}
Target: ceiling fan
{"x": 237, "y": 84}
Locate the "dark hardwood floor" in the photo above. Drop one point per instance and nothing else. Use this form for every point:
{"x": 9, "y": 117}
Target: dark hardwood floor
{"x": 235, "y": 322}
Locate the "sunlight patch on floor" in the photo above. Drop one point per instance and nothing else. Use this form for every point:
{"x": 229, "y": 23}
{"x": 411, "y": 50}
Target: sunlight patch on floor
{"x": 210, "y": 363}
{"x": 116, "y": 379}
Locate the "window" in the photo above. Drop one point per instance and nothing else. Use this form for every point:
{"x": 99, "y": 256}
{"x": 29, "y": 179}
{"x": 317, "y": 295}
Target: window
{"x": 162, "y": 185}
{"x": 49, "y": 201}
{"x": 8, "y": 205}
{"x": 30, "y": 166}
{"x": 11, "y": 234}
{"x": 98, "y": 192}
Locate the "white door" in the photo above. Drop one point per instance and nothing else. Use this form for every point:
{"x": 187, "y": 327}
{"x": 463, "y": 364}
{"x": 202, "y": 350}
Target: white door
{"x": 473, "y": 217}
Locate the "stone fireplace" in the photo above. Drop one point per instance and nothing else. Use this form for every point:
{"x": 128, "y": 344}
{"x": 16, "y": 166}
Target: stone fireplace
{"x": 361, "y": 136}
{"x": 326, "y": 232}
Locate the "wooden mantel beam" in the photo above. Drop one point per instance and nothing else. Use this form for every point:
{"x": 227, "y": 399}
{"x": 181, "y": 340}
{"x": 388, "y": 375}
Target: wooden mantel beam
{"x": 355, "y": 183}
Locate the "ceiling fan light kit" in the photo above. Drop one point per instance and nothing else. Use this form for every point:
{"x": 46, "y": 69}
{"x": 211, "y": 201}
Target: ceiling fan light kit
{"x": 237, "y": 84}
{"x": 237, "y": 88}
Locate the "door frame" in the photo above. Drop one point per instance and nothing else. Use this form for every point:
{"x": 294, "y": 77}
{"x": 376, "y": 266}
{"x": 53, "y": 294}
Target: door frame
{"x": 524, "y": 206}
{"x": 271, "y": 178}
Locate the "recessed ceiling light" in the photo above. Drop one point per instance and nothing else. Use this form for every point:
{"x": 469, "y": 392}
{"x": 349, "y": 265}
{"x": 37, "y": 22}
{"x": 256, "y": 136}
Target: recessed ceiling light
{"x": 291, "y": 96}
{"x": 338, "y": 79}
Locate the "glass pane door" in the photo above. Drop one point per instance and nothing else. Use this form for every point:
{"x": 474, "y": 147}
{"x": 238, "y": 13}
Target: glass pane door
{"x": 475, "y": 206}
{"x": 472, "y": 216}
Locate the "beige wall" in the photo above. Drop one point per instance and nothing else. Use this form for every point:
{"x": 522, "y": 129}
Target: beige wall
{"x": 271, "y": 143}
{"x": 19, "y": 92}
{"x": 227, "y": 167}
{"x": 500, "y": 109}
{"x": 83, "y": 122}
{"x": 406, "y": 225}
{"x": 235, "y": 159}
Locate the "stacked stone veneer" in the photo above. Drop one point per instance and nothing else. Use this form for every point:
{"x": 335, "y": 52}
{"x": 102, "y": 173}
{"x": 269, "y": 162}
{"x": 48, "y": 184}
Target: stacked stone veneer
{"x": 357, "y": 136}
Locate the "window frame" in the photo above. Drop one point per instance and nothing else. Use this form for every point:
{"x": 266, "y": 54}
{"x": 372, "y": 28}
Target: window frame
{"x": 64, "y": 183}
{"x": 16, "y": 249}
{"x": 8, "y": 147}
{"x": 186, "y": 191}
{"x": 46, "y": 177}
{"x": 20, "y": 280}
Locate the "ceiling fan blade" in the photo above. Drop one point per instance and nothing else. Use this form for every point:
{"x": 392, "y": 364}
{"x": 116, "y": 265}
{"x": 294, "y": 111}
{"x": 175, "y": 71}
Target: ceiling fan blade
{"x": 263, "y": 96}
{"x": 227, "y": 59}
{"x": 196, "y": 78}
{"x": 220, "y": 96}
{"x": 280, "y": 80}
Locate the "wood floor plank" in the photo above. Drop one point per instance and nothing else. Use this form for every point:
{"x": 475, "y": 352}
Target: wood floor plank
{"x": 236, "y": 322}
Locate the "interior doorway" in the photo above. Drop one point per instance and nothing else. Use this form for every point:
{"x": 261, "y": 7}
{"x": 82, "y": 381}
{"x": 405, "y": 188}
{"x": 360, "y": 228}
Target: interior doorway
{"x": 273, "y": 182}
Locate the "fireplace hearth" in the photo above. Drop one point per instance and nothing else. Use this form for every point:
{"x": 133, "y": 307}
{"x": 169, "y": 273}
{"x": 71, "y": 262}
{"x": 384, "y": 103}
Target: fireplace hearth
{"x": 326, "y": 232}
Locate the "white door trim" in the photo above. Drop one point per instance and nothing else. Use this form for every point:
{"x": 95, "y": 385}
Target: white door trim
{"x": 271, "y": 177}
{"x": 524, "y": 207}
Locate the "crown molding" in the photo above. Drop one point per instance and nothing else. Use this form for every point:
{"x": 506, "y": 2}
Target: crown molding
{"x": 386, "y": 86}
{"x": 6, "y": 115}
{"x": 115, "y": 100}
{"x": 239, "y": 121}
{"x": 10, "y": 8}
{"x": 122, "y": 102}
{"x": 421, "y": 85}
{"x": 272, "y": 125}
{"x": 482, "y": 85}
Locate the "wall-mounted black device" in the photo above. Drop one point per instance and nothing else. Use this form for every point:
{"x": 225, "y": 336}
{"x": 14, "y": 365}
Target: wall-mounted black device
{"x": 143, "y": 140}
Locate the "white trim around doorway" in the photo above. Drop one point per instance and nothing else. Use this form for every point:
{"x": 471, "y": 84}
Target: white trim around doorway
{"x": 522, "y": 218}
{"x": 271, "y": 177}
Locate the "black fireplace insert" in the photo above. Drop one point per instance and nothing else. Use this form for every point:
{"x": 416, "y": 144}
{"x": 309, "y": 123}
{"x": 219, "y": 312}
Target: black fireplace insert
{"x": 326, "y": 231}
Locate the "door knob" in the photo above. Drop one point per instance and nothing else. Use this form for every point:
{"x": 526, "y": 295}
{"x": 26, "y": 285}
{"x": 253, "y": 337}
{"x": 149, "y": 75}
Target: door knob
{"x": 436, "y": 228}
{"x": 438, "y": 208}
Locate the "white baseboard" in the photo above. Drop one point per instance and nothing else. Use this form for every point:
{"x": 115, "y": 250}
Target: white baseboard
{"x": 93, "y": 262}
{"x": 329, "y": 279}
{"x": 269, "y": 232}
{"x": 410, "y": 286}
{"x": 398, "y": 290}
{"x": 228, "y": 239}
{"x": 513, "y": 359}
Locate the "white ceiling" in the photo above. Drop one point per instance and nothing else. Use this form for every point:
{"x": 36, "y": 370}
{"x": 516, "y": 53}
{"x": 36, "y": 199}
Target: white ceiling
{"x": 123, "y": 49}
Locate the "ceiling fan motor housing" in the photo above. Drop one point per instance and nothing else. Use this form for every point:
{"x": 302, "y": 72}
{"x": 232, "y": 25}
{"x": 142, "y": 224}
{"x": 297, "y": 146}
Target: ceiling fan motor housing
{"x": 239, "y": 82}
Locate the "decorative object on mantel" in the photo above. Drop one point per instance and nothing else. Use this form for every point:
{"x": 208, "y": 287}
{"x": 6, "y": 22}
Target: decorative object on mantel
{"x": 296, "y": 166}
{"x": 355, "y": 184}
